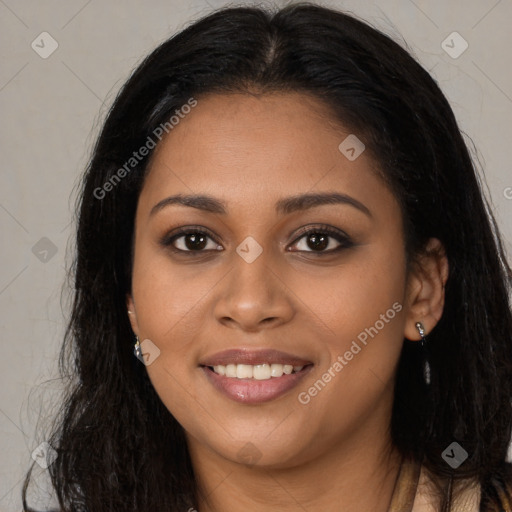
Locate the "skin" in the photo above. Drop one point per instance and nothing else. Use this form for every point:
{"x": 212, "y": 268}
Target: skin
{"x": 335, "y": 452}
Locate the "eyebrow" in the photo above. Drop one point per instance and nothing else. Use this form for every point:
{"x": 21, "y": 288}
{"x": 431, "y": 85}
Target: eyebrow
{"x": 283, "y": 206}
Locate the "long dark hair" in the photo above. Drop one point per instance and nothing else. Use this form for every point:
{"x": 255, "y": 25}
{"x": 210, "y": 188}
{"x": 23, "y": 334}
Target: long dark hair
{"x": 118, "y": 447}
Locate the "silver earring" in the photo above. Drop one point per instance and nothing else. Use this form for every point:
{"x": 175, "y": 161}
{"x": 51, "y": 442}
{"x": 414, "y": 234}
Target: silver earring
{"x": 424, "y": 353}
{"x": 137, "y": 350}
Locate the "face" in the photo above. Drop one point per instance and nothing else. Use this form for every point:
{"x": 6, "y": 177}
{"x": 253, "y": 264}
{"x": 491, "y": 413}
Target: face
{"x": 296, "y": 259}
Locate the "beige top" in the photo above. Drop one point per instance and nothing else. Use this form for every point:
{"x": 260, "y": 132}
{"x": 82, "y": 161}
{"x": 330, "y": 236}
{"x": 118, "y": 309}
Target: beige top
{"x": 467, "y": 501}
{"x": 413, "y": 493}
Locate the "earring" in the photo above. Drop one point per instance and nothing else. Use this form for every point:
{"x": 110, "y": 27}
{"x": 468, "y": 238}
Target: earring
{"x": 137, "y": 350}
{"x": 424, "y": 351}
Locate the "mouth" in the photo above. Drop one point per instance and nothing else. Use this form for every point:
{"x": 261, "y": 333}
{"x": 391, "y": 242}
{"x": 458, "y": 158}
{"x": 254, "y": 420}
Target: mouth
{"x": 263, "y": 371}
{"x": 254, "y": 377}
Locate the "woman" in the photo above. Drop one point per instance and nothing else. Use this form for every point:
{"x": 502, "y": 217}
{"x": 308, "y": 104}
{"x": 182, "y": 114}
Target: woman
{"x": 281, "y": 221}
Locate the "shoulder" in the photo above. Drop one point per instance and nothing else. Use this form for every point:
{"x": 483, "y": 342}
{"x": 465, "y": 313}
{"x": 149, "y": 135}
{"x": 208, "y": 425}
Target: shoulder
{"x": 468, "y": 495}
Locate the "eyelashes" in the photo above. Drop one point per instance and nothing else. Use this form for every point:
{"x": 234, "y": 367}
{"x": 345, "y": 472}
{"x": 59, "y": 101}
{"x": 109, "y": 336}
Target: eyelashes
{"x": 197, "y": 240}
{"x": 322, "y": 234}
{"x": 198, "y": 235}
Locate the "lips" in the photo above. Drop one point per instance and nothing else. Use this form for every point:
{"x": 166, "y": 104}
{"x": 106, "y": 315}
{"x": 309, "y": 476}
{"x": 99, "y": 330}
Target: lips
{"x": 251, "y": 390}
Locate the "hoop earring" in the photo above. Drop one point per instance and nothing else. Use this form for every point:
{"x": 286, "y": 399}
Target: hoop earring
{"x": 424, "y": 353}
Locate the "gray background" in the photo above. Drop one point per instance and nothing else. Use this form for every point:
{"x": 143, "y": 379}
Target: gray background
{"x": 51, "y": 112}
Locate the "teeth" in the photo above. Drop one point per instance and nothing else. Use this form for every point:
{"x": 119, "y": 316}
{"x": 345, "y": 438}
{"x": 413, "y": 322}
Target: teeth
{"x": 230, "y": 370}
{"x": 221, "y": 370}
{"x": 244, "y": 371}
{"x": 259, "y": 371}
{"x": 276, "y": 370}
{"x": 287, "y": 368}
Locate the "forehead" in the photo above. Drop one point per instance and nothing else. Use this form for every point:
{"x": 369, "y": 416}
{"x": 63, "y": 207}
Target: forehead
{"x": 248, "y": 150}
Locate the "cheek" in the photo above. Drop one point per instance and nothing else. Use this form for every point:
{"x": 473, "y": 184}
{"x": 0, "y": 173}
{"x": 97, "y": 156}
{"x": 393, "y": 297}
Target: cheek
{"x": 363, "y": 311}
{"x": 169, "y": 298}
{"x": 352, "y": 297}
{"x": 360, "y": 310}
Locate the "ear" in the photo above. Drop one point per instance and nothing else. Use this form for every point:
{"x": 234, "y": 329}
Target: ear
{"x": 132, "y": 314}
{"x": 426, "y": 289}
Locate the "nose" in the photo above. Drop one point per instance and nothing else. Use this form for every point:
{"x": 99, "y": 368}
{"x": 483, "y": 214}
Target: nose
{"x": 254, "y": 296}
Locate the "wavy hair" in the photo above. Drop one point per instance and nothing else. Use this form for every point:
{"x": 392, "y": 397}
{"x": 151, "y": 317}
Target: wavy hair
{"x": 118, "y": 447}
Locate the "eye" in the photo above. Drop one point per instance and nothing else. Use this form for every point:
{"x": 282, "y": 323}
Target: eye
{"x": 320, "y": 239}
{"x": 191, "y": 240}
{"x": 323, "y": 239}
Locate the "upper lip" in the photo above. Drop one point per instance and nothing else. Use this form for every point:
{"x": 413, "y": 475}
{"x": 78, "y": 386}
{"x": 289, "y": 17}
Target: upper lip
{"x": 253, "y": 357}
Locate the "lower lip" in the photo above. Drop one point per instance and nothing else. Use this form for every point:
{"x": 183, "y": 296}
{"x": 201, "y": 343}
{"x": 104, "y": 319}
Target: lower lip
{"x": 252, "y": 391}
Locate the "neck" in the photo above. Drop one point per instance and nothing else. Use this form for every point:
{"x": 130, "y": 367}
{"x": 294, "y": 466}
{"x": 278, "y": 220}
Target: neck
{"x": 357, "y": 474}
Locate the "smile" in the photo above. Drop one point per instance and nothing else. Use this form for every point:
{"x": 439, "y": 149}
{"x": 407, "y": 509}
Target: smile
{"x": 259, "y": 371}
{"x": 257, "y": 388}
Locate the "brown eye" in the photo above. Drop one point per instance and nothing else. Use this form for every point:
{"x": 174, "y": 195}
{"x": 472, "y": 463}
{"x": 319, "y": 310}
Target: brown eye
{"x": 194, "y": 241}
{"x": 190, "y": 240}
{"x": 322, "y": 240}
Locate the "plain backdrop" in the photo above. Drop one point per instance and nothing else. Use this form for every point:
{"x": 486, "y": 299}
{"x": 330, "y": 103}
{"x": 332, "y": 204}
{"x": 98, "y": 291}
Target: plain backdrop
{"x": 52, "y": 108}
